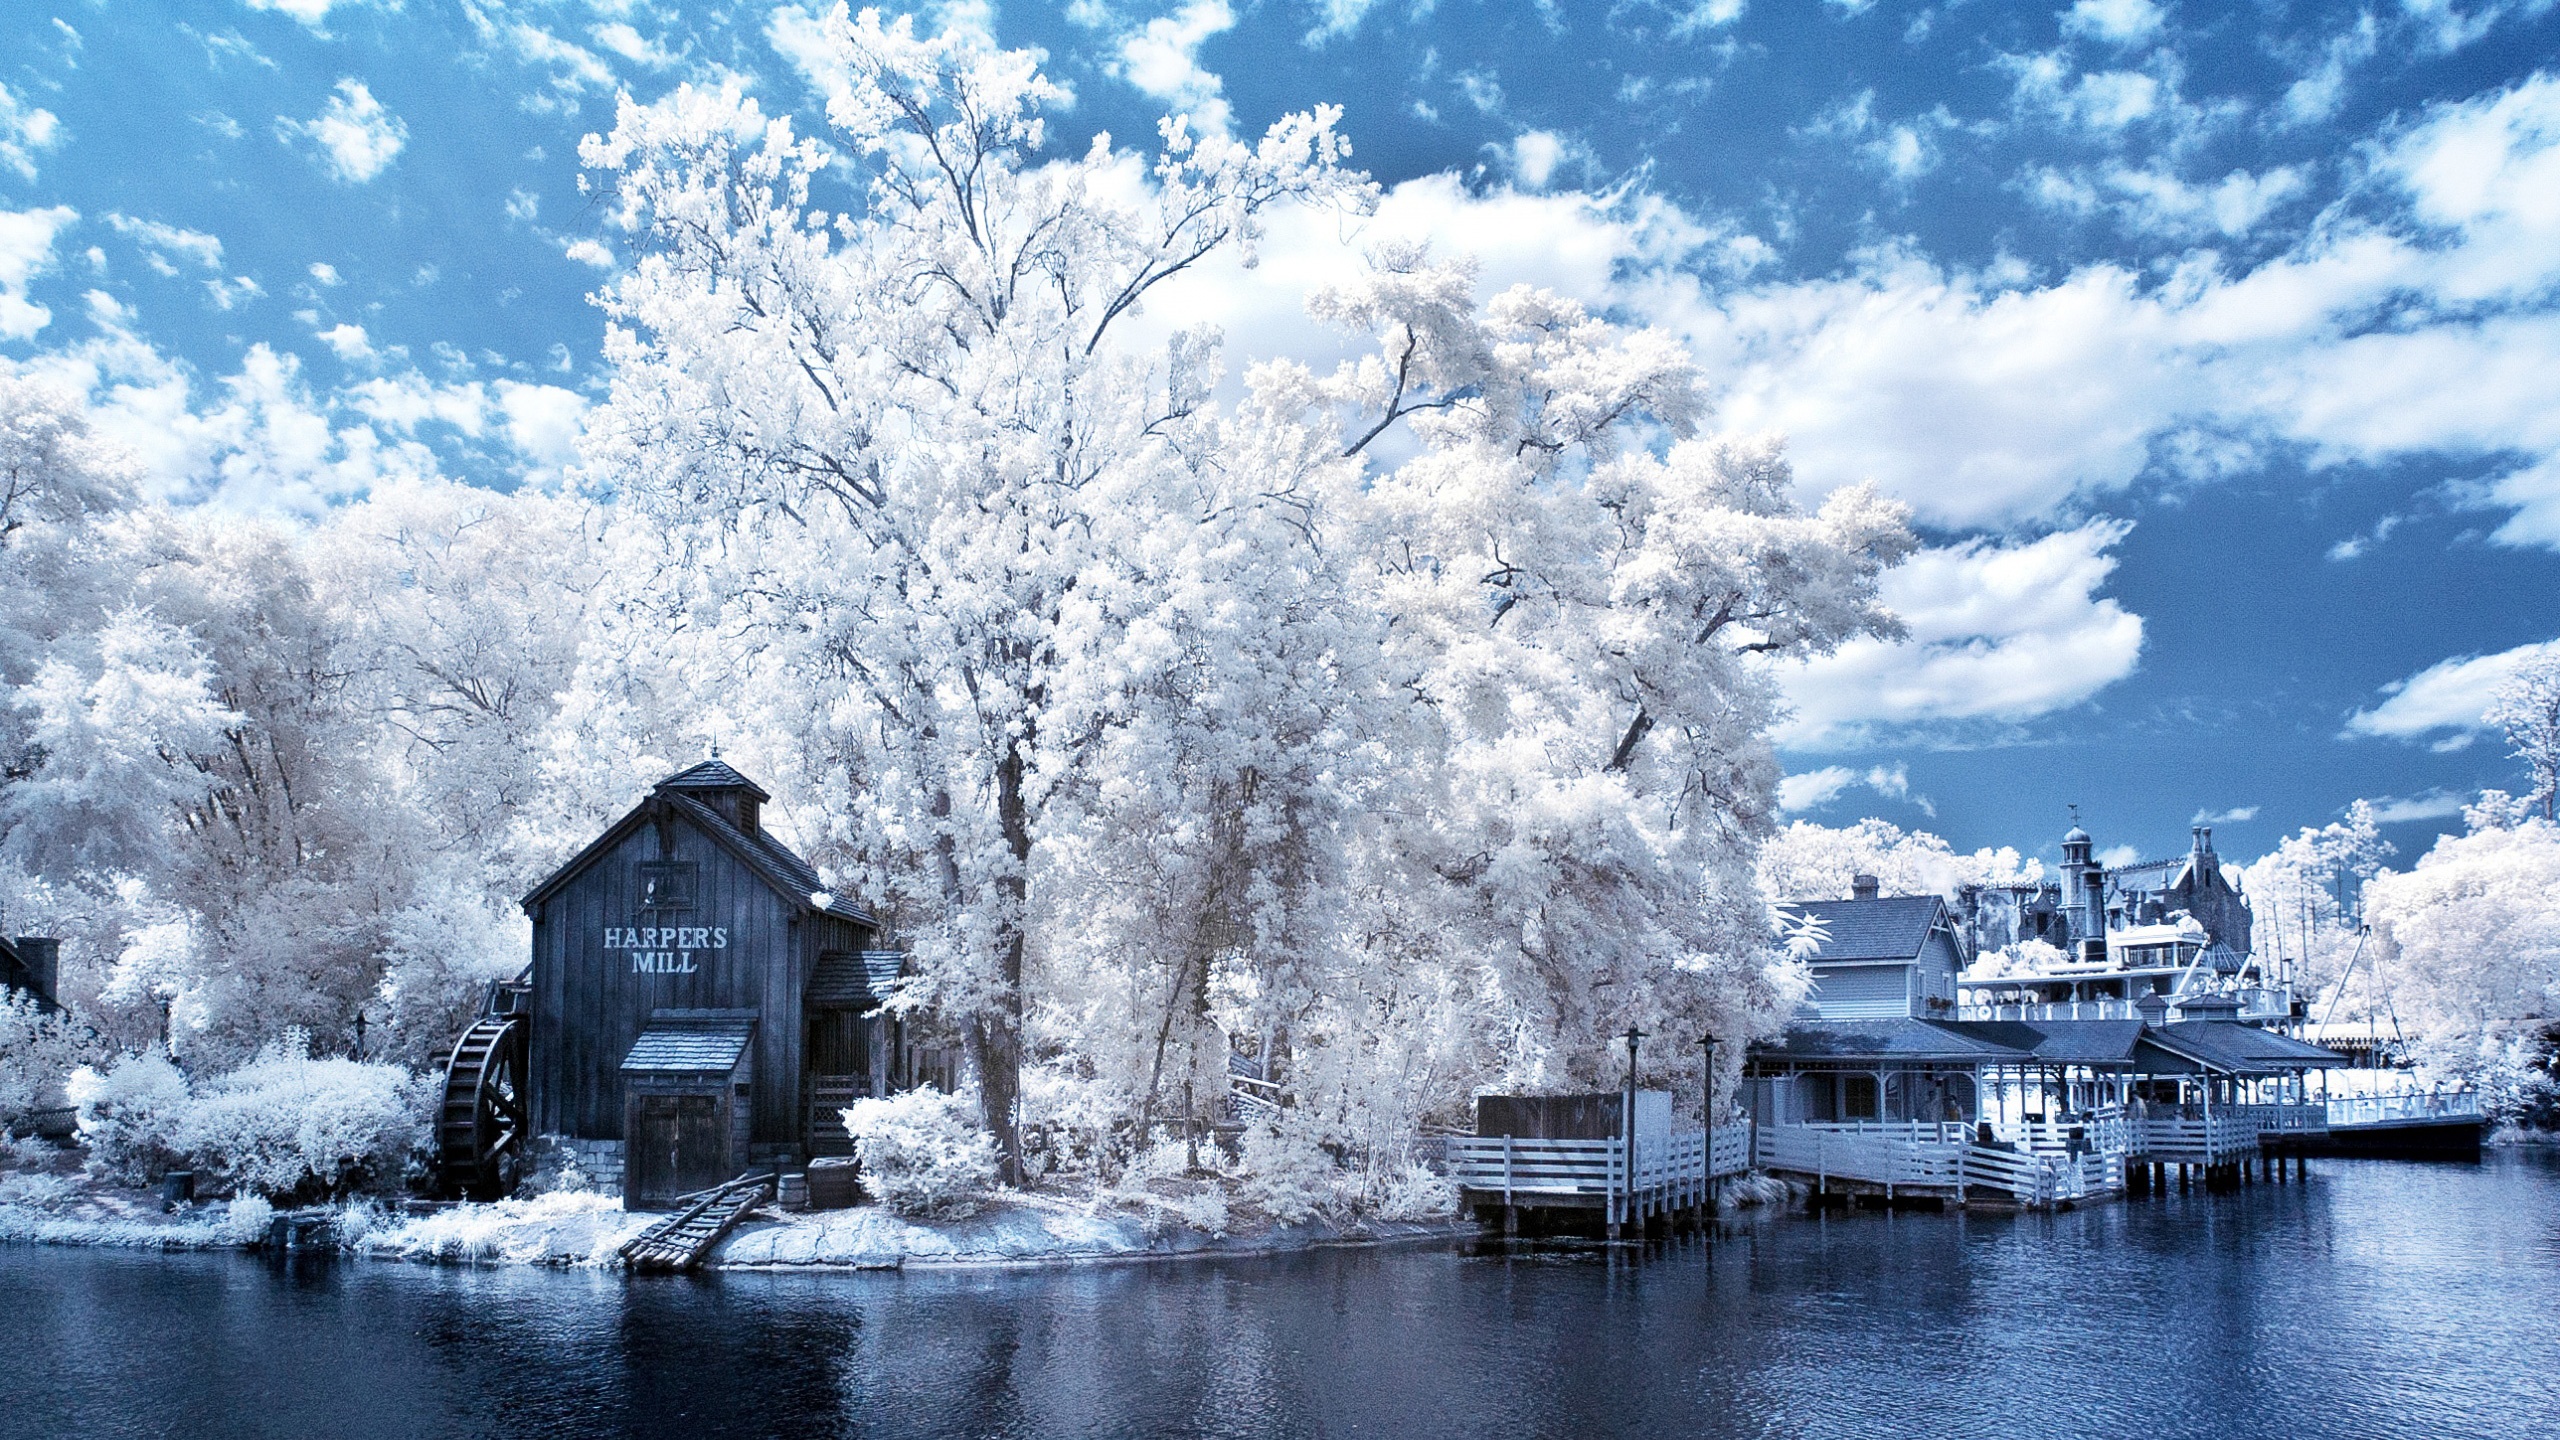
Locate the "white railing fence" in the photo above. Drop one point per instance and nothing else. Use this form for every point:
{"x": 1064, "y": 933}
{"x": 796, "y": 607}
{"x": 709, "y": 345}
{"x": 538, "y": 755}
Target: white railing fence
{"x": 1671, "y": 1171}
{"x": 2401, "y": 1107}
{"x": 1946, "y": 1156}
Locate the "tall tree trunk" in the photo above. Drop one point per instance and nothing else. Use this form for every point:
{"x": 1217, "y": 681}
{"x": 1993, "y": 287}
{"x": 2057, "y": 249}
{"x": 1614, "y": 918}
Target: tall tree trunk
{"x": 997, "y": 1040}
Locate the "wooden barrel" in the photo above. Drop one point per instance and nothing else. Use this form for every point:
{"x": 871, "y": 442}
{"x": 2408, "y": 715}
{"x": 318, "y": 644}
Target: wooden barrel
{"x": 834, "y": 1182}
{"x": 791, "y": 1190}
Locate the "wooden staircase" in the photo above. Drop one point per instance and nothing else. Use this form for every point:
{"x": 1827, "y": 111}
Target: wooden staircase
{"x": 681, "y": 1240}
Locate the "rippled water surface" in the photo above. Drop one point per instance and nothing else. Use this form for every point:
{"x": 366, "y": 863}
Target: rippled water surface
{"x": 2380, "y": 1300}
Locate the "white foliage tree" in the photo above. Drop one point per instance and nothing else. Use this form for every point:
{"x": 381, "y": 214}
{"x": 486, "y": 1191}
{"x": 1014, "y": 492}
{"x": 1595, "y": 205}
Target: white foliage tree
{"x": 2469, "y": 941}
{"x": 1806, "y": 861}
{"x": 897, "y": 443}
{"x": 1157, "y": 728}
{"x": 2527, "y": 708}
{"x": 2301, "y": 898}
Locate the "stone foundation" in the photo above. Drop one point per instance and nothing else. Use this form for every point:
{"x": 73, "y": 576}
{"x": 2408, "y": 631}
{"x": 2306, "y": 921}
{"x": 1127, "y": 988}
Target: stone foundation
{"x": 598, "y": 1163}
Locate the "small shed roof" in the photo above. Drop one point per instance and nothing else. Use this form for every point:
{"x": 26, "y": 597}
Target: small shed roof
{"x": 856, "y": 979}
{"x": 691, "y": 1042}
{"x": 1890, "y": 927}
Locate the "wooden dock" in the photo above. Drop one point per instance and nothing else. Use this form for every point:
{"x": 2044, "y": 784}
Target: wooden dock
{"x": 680, "y": 1241}
{"x": 1670, "y": 1175}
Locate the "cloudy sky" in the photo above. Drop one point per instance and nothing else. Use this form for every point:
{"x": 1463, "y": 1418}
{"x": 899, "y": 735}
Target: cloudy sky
{"x": 2215, "y": 346}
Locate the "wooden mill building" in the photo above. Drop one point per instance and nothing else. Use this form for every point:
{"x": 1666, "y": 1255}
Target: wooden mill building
{"x": 698, "y": 1003}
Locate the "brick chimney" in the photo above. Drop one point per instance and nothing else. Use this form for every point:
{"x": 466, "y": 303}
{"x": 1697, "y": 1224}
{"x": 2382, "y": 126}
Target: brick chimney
{"x": 42, "y": 958}
{"x": 1862, "y": 887}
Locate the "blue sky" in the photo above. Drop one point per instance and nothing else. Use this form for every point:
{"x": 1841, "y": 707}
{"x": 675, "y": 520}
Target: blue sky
{"x": 2215, "y": 346}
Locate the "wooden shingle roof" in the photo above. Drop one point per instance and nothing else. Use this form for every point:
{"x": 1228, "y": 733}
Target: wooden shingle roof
{"x": 691, "y": 1042}
{"x": 1891, "y": 927}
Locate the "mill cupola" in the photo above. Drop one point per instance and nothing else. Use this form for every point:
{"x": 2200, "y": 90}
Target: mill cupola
{"x": 717, "y": 785}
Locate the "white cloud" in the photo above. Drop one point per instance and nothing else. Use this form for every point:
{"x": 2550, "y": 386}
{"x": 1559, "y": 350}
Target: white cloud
{"x": 2316, "y": 96}
{"x": 1994, "y": 397}
{"x": 1161, "y": 59}
{"x": 1999, "y": 633}
{"x": 2234, "y": 816}
{"x": 163, "y": 246}
{"x": 1335, "y": 19}
{"x": 325, "y": 273}
{"x": 1704, "y": 16}
{"x": 25, "y": 132}
{"x": 590, "y": 252}
{"x": 1815, "y": 789}
{"x": 2433, "y": 805}
{"x": 2156, "y": 201}
{"x": 2117, "y": 856}
{"x": 353, "y": 131}
{"x": 310, "y": 12}
{"x": 1535, "y": 155}
{"x": 2447, "y": 696}
{"x": 348, "y": 341}
{"x": 543, "y": 421}
{"x": 523, "y": 204}
{"x": 631, "y": 45}
{"x": 233, "y": 293}
{"x": 26, "y": 251}
{"x": 2122, "y": 22}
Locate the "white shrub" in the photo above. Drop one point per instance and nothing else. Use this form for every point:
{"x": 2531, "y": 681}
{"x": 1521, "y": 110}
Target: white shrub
{"x": 245, "y": 1222}
{"x": 286, "y": 1124}
{"x": 130, "y": 1114}
{"x": 923, "y": 1153}
{"x": 37, "y": 1052}
{"x": 1287, "y": 1173}
{"x": 1416, "y": 1192}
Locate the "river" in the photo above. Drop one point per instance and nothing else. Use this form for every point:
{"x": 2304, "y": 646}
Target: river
{"x": 2380, "y": 1299}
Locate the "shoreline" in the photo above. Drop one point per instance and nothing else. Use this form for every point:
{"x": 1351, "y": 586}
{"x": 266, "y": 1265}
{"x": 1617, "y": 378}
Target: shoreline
{"x": 585, "y": 1231}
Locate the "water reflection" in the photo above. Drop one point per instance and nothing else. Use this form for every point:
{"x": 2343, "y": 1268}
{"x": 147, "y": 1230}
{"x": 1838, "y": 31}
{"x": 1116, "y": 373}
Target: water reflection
{"x": 2379, "y": 1299}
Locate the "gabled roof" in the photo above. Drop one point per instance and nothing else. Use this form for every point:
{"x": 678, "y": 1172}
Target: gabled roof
{"x": 772, "y": 861}
{"x": 2064, "y": 1042}
{"x": 1889, "y": 1040}
{"x": 691, "y": 1042}
{"x": 2238, "y": 1049}
{"x": 1891, "y": 927}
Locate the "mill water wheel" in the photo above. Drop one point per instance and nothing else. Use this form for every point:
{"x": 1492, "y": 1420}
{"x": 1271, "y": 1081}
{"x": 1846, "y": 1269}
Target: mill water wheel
{"x": 480, "y": 1130}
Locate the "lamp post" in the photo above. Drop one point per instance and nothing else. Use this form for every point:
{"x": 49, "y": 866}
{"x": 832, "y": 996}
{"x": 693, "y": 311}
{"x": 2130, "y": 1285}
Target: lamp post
{"x": 1626, "y": 1207}
{"x": 1707, "y": 1111}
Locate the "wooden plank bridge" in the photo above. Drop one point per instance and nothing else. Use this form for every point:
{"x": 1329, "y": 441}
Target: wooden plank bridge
{"x": 680, "y": 1241}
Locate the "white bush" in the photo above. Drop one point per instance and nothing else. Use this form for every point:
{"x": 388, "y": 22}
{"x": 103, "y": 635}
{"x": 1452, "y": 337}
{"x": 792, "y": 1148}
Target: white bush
{"x": 245, "y": 1222}
{"x": 1287, "y": 1173}
{"x": 129, "y": 1115}
{"x": 282, "y": 1126}
{"x": 923, "y": 1153}
{"x": 1414, "y": 1191}
{"x": 286, "y": 1124}
{"x": 37, "y": 1052}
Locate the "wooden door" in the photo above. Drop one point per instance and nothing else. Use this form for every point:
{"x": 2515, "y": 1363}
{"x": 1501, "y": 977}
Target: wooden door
{"x": 677, "y": 1146}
